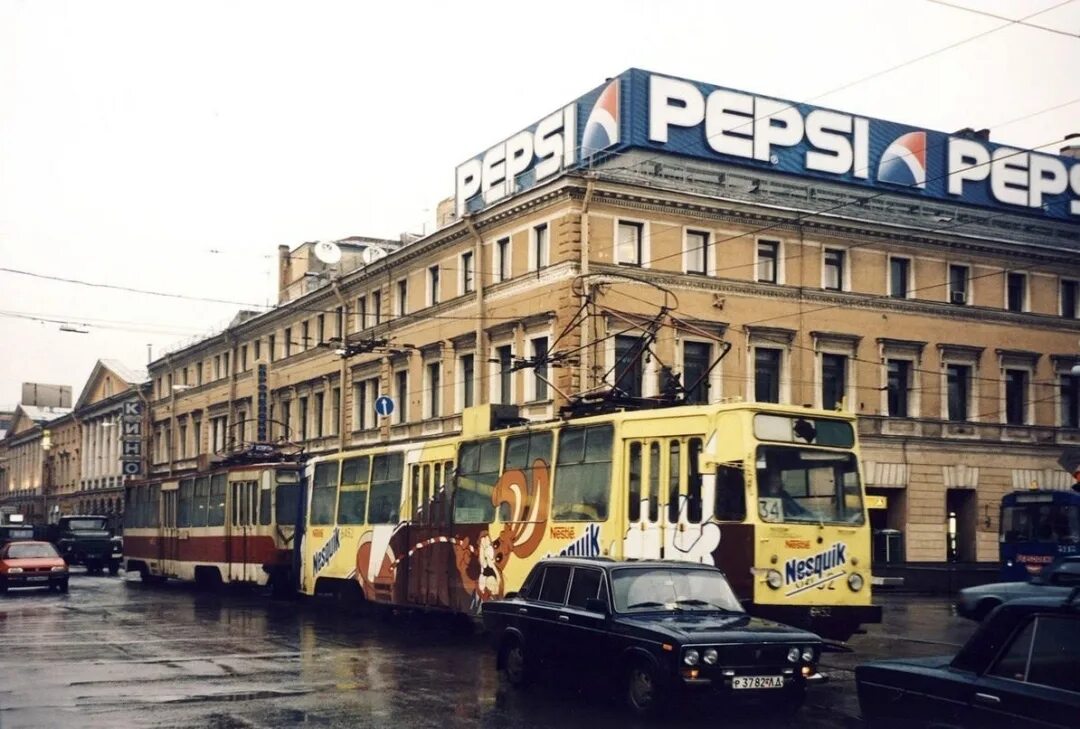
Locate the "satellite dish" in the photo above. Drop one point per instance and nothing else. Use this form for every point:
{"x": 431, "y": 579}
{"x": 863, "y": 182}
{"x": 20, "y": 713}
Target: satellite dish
{"x": 328, "y": 252}
{"x": 372, "y": 254}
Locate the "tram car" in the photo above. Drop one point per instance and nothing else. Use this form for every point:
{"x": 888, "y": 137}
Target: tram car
{"x": 231, "y": 522}
{"x": 771, "y": 494}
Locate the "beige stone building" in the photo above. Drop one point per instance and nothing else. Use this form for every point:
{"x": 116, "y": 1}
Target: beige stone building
{"x": 64, "y": 460}
{"x": 37, "y": 460}
{"x": 951, "y": 331}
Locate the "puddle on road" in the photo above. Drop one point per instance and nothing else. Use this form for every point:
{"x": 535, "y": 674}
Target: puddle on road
{"x": 207, "y": 697}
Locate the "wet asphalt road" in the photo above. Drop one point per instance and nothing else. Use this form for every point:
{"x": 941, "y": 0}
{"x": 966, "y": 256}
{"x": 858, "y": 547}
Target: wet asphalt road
{"x": 117, "y": 653}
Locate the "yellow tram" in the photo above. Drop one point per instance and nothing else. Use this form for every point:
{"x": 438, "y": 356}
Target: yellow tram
{"x": 769, "y": 493}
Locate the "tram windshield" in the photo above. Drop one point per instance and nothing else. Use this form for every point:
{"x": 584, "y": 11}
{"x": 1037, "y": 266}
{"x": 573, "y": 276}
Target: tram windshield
{"x": 808, "y": 485}
{"x": 1047, "y": 523}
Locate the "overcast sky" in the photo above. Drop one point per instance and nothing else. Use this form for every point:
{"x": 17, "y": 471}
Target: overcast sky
{"x": 173, "y": 146}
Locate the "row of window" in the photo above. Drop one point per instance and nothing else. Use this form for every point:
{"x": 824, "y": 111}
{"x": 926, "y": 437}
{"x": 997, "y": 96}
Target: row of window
{"x": 201, "y": 502}
{"x": 836, "y": 277}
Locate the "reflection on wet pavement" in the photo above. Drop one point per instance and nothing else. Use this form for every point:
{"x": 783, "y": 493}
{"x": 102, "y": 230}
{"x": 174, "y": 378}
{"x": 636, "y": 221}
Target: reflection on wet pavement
{"x": 116, "y": 653}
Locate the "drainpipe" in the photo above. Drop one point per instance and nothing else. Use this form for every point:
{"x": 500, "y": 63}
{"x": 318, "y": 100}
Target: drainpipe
{"x": 587, "y": 333}
{"x": 480, "y": 355}
{"x": 344, "y": 321}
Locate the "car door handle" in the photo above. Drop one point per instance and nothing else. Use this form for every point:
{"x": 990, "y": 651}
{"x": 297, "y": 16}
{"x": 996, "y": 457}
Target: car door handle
{"x": 564, "y": 618}
{"x": 987, "y": 699}
{"x": 523, "y": 611}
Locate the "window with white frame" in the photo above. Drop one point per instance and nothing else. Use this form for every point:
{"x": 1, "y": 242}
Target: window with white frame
{"x": 958, "y": 382}
{"x": 401, "y": 396}
{"x": 1017, "y": 374}
{"x": 403, "y": 297}
{"x": 629, "y": 243}
{"x": 502, "y": 259}
{"x": 768, "y": 261}
{"x": 629, "y": 370}
{"x": 539, "y": 253}
{"x": 333, "y": 426}
{"x": 433, "y": 286}
{"x": 468, "y": 281}
{"x": 696, "y": 252}
{"x": 1017, "y": 399}
{"x": 466, "y": 380}
{"x": 433, "y": 388}
{"x": 361, "y": 313}
{"x": 768, "y": 363}
{"x": 959, "y": 275}
{"x": 959, "y": 373}
{"x": 833, "y": 269}
{"x": 504, "y": 374}
{"x": 219, "y": 433}
{"x": 364, "y": 394}
{"x": 1070, "y": 299}
{"x": 1069, "y": 408}
{"x": 696, "y": 359}
{"x": 538, "y": 382}
{"x": 899, "y": 277}
{"x": 1016, "y": 291}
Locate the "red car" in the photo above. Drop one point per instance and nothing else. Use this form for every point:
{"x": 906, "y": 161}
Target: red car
{"x": 32, "y": 564}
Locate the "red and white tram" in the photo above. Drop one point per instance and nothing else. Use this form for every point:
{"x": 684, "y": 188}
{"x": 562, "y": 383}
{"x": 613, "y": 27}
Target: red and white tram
{"x": 232, "y": 523}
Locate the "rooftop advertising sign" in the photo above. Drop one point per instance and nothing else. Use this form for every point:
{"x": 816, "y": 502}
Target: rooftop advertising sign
{"x": 644, "y": 110}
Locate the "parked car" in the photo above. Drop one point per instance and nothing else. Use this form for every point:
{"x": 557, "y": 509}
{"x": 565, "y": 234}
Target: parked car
{"x": 1021, "y": 668}
{"x": 1056, "y": 580}
{"x": 86, "y": 540}
{"x": 25, "y": 563}
{"x": 651, "y": 631}
{"x": 15, "y": 532}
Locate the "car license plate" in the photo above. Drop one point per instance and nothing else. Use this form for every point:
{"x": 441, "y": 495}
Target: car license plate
{"x": 38, "y": 578}
{"x": 757, "y": 682}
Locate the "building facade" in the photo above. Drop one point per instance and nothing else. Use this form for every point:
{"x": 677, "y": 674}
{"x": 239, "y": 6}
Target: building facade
{"x": 948, "y": 321}
{"x": 71, "y": 460}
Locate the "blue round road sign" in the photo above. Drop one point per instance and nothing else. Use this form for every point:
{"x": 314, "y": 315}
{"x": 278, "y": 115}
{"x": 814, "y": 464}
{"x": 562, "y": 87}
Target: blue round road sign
{"x": 384, "y": 405}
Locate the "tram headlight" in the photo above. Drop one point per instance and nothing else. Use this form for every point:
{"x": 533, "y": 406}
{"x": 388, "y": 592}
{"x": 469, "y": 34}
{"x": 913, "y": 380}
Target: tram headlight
{"x": 793, "y": 654}
{"x": 774, "y": 579}
{"x": 855, "y": 581}
{"x": 710, "y": 657}
{"x": 691, "y": 657}
{"x": 808, "y": 655}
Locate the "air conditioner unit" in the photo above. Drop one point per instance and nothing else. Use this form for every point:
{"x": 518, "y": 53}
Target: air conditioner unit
{"x": 958, "y": 297}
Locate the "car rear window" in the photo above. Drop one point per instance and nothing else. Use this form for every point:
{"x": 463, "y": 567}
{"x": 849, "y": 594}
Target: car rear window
{"x": 31, "y": 551}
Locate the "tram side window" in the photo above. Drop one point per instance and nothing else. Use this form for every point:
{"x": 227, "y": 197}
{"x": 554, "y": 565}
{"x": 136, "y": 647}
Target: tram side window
{"x": 730, "y": 492}
{"x": 478, "y": 471}
{"x": 287, "y": 497}
{"x": 324, "y": 493}
{"x": 129, "y": 507}
{"x": 583, "y": 474}
{"x": 352, "y": 500}
{"x": 633, "y": 506}
{"x": 187, "y": 492}
{"x": 264, "y": 504}
{"x": 693, "y": 485}
{"x": 215, "y": 513}
{"x": 522, "y": 453}
{"x": 154, "y": 507}
{"x": 202, "y": 496}
{"x": 674, "y": 479}
{"x": 387, "y": 471}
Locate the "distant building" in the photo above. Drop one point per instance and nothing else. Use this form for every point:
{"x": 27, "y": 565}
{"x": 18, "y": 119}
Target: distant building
{"x": 64, "y": 460}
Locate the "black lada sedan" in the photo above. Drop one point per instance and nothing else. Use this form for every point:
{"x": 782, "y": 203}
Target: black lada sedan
{"x": 652, "y": 630}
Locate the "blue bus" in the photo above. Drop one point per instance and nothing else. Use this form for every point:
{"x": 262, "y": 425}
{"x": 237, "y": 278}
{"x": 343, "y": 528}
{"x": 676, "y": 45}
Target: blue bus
{"x": 1037, "y": 527}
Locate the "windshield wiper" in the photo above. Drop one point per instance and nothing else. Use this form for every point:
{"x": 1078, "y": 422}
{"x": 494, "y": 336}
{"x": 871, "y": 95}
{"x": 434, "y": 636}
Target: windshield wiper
{"x": 703, "y": 603}
{"x": 649, "y": 604}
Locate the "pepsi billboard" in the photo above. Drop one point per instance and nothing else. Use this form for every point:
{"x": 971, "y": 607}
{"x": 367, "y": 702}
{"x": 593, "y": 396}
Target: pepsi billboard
{"x": 665, "y": 114}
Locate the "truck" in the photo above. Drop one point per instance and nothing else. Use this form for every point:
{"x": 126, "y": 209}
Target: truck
{"x": 86, "y": 540}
